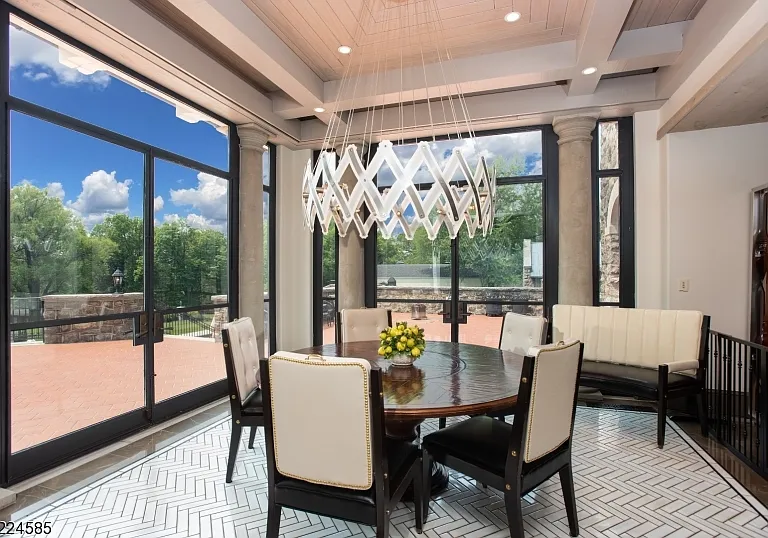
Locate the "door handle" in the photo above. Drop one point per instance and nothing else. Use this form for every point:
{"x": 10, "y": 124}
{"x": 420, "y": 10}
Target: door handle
{"x": 159, "y": 328}
{"x": 462, "y": 316}
{"x": 140, "y": 329}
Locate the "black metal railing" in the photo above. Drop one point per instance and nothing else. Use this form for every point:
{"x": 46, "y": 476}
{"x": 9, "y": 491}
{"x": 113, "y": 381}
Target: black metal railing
{"x": 194, "y": 324}
{"x": 26, "y": 310}
{"x": 737, "y": 383}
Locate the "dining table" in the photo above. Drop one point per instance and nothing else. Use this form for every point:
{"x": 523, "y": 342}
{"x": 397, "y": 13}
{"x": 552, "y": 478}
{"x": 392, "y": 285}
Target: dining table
{"x": 449, "y": 379}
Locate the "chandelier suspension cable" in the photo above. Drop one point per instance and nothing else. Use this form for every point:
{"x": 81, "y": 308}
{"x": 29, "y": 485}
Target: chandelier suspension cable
{"x": 445, "y": 80}
{"x": 457, "y": 195}
{"x": 459, "y": 92}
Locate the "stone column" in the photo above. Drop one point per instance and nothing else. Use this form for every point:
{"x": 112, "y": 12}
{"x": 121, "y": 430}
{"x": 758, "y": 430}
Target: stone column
{"x": 575, "y": 215}
{"x": 350, "y": 289}
{"x": 252, "y": 140}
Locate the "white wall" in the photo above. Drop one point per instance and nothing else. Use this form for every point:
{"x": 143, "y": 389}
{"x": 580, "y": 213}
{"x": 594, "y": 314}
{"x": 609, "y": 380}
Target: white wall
{"x": 294, "y": 254}
{"x": 710, "y": 175}
{"x": 694, "y": 218}
{"x": 650, "y": 214}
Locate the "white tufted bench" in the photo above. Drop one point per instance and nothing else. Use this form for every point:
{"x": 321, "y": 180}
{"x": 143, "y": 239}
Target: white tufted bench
{"x": 657, "y": 354}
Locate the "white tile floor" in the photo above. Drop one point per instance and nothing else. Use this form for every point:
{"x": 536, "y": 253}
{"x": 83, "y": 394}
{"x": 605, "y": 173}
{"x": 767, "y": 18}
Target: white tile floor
{"x": 625, "y": 486}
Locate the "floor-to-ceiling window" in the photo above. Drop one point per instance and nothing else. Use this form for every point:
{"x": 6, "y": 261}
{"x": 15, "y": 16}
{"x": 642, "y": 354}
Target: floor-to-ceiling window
{"x": 479, "y": 277}
{"x": 325, "y": 276}
{"x": 613, "y": 262}
{"x": 118, "y": 249}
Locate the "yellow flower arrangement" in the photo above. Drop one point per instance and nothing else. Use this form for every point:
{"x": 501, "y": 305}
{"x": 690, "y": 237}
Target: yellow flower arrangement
{"x": 402, "y": 339}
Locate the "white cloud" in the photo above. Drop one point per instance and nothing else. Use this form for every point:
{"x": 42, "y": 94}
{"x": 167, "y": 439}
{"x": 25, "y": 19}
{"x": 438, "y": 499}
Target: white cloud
{"x": 41, "y": 61}
{"x": 209, "y": 199}
{"x": 55, "y": 190}
{"x": 102, "y": 195}
{"x": 194, "y": 220}
{"x": 159, "y": 203}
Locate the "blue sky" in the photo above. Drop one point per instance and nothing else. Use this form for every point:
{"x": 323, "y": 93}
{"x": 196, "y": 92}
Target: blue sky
{"x": 94, "y": 178}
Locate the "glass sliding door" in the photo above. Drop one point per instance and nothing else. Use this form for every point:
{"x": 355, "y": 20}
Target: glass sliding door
{"x": 504, "y": 271}
{"x": 190, "y": 278}
{"x": 116, "y": 194}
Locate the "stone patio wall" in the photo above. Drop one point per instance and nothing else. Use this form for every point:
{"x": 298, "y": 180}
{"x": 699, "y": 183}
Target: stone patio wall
{"x": 69, "y": 306}
{"x": 419, "y": 294}
{"x": 220, "y": 316}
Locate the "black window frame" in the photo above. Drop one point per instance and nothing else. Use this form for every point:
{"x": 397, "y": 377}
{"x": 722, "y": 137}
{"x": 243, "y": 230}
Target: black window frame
{"x": 271, "y": 299}
{"x": 626, "y": 178}
{"x": 549, "y": 180}
{"x": 33, "y": 460}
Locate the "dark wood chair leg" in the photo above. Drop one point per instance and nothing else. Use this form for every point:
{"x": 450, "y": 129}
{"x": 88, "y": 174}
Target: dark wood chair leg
{"x": 418, "y": 498}
{"x": 662, "y": 411}
{"x": 253, "y": 436}
{"x": 426, "y": 484}
{"x": 703, "y": 419}
{"x": 569, "y": 496}
{"x": 514, "y": 504}
{"x": 441, "y": 423}
{"x": 234, "y": 445}
{"x": 274, "y": 513}
{"x": 382, "y": 529}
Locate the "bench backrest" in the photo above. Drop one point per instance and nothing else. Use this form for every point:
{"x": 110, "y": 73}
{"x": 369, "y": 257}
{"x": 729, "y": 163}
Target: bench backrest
{"x": 632, "y": 336}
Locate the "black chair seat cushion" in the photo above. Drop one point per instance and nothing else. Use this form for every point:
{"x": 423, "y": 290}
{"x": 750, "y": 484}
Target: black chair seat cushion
{"x": 634, "y": 378}
{"x": 253, "y": 404}
{"x": 479, "y": 441}
{"x": 356, "y": 505}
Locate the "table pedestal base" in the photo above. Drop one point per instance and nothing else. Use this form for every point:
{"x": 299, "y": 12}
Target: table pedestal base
{"x": 408, "y": 430}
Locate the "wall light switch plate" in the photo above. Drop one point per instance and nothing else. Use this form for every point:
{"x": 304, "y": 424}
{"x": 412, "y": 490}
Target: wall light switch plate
{"x": 685, "y": 285}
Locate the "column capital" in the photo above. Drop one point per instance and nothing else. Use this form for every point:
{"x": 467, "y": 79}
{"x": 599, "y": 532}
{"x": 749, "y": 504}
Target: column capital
{"x": 574, "y": 128}
{"x": 253, "y": 136}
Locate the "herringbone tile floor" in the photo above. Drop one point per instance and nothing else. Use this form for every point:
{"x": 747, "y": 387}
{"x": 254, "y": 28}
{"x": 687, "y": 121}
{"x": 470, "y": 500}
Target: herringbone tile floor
{"x": 625, "y": 487}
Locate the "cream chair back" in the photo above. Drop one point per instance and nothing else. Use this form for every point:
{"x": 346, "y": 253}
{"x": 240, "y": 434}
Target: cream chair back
{"x": 553, "y": 395}
{"x": 321, "y": 419}
{"x": 519, "y": 333}
{"x": 245, "y": 355}
{"x": 363, "y": 324}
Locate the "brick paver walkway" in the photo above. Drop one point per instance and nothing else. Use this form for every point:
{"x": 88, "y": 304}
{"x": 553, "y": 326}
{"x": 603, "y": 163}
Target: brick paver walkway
{"x": 59, "y": 388}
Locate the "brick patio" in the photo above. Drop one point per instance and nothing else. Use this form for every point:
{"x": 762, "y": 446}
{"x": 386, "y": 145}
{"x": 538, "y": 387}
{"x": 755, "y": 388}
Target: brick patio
{"x": 59, "y": 388}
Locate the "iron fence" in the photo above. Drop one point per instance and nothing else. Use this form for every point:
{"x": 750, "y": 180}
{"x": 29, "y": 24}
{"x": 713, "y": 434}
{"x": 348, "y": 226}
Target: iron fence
{"x": 737, "y": 392}
{"x": 195, "y": 324}
{"x": 25, "y": 310}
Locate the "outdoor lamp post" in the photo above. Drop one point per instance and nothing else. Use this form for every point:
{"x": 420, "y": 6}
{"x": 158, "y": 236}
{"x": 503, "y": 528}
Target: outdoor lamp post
{"x": 117, "y": 279}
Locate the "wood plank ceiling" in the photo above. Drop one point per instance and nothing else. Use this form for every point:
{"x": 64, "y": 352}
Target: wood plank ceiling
{"x": 314, "y": 29}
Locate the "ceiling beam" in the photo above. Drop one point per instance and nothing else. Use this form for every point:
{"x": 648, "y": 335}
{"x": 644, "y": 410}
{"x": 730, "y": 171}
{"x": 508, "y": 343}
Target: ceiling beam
{"x": 498, "y": 110}
{"x": 599, "y": 32}
{"x": 744, "y": 38}
{"x": 237, "y": 27}
{"x": 543, "y": 64}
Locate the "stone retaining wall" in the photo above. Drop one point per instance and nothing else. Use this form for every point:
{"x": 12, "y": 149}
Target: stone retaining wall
{"x": 419, "y": 294}
{"x": 69, "y": 306}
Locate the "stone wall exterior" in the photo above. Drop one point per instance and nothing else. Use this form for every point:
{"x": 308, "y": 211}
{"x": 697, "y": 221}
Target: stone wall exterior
{"x": 418, "y": 294}
{"x": 69, "y": 306}
{"x": 220, "y": 316}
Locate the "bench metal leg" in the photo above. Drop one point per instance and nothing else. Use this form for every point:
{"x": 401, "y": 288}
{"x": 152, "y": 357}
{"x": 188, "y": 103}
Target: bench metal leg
{"x": 662, "y": 418}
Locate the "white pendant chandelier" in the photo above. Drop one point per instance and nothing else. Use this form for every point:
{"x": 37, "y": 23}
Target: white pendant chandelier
{"x": 432, "y": 188}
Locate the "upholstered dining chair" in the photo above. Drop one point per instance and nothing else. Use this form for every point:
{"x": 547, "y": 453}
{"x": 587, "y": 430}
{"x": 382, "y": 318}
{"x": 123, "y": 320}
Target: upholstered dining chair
{"x": 326, "y": 450}
{"x": 516, "y": 458}
{"x": 519, "y": 333}
{"x": 361, "y": 324}
{"x": 241, "y": 355}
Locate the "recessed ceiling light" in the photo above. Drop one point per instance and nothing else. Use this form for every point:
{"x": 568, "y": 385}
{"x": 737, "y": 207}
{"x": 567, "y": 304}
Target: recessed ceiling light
{"x": 319, "y": 109}
{"x": 345, "y": 49}
{"x": 589, "y": 71}
{"x": 512, "y": 16}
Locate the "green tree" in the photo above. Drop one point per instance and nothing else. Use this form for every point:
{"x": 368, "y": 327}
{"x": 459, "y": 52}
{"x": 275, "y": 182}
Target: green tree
{"x": 44, "y": 243}
{"x": 127, "y": 233}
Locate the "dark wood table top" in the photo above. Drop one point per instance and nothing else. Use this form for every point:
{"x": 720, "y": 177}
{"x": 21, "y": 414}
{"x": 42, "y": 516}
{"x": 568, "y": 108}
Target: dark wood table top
{"x": 447, "y": 380}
